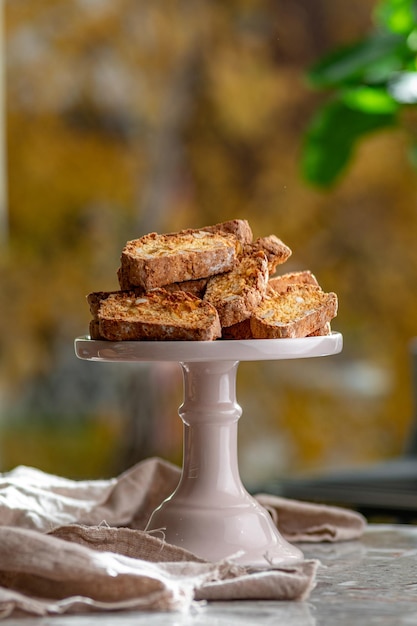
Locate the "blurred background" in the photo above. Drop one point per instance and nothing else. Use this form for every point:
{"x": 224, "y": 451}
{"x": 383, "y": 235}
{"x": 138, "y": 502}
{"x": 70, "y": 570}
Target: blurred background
{"x": 121, "y": 118}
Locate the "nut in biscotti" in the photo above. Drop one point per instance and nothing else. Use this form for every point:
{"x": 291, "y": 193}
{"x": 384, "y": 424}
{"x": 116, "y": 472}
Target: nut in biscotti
{"x": 157, "y": 260}
{"x": 298, "y": 312}
{"x": 236, "y": 293}
{"x": 158, "y": 315}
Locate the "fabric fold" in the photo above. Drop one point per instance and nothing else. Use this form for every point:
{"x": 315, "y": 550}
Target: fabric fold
{"x": 303, "y": 521}
{"x": 30, "y": 498}
{"x": 46, "y": 574}
{"x": 69, "y": 546}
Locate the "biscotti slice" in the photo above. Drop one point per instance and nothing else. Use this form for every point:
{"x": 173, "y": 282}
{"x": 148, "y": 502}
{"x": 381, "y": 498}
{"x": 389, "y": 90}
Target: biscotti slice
{"x": 298, "y": 312}
{"x": 196, "y": 287}
{"x": 236, "y": 293}
{"x": 240, "y": 330}
{"x": 157, "y": 260}
{"x": 94, "y": 329}
{"x": 243, "y": 331}
{"x": 239, "y": 228}
{"x": 277, "y": 252}
{"x": 94, "y": 300}
{"x": 124, "y": 281}
{"x": 280, "y": 284}
{"x": 323, "y": 331}
{"x": 158, "y": 316}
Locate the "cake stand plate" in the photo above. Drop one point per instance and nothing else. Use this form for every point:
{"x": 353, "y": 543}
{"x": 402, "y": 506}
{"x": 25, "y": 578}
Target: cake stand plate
{"x": 210, "y": 513}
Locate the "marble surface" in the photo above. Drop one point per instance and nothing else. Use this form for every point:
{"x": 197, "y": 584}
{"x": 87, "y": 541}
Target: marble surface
{"x": 366, "y": 582}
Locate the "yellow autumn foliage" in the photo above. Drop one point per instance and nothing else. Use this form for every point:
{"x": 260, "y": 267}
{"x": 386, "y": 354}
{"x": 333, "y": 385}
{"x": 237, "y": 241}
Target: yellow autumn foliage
{"x": 129, "y": 117}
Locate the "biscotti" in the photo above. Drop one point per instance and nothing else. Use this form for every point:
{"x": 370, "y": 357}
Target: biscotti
{"x": 94, "y": 329}
{"x": 298, "y": 312}
{"x": 196, "y": 287}
{"x": 322, "y": 332}
{"x": 277, "y": 252}
{"x": 276, "y": 284}
{"x": 210, "y": 283}
{"x": 239, "y": 228}
{"x": 280, "y": 284}
{"x": 95, "y": 299}
{"x": 236, "y": 293}
{"x": 240, "y": 330}
{"x": 158, "y": 315}
{"x": 157, "y": 260}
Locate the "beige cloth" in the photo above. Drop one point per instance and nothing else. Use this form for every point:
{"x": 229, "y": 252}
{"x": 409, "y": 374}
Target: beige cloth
{"x": 71, "y": 546}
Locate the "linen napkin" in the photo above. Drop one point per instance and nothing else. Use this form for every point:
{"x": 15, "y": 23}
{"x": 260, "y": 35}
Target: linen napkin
{"x": 70, "y": 546}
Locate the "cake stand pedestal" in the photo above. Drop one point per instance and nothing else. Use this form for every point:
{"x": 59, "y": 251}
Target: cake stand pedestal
{"x": 210, "y": 513}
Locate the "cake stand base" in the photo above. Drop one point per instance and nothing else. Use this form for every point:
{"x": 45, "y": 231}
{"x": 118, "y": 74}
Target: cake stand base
{"x": 210, "y": 513}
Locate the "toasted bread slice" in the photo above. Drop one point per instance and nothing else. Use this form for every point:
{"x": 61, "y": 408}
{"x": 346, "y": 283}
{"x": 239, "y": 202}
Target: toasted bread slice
{"x": 279, "y": 284}
{"x": 277, "y": 252}
{"x": 157, "y": 260}
{"x": 298, "y": 312}
{"x": 236, "y": 293}
{"x": 158, "y": 315}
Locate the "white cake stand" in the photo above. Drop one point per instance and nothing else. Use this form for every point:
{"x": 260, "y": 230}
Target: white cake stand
{"x": 210, "y": 513}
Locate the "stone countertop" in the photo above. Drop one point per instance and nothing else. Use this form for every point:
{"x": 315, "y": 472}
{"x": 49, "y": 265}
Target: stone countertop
{"x": 366, "y": 582}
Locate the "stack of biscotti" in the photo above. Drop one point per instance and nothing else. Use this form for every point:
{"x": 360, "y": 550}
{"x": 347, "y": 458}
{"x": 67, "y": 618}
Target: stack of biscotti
{"x": 294, "y": 306}
{"x": 206, "y": 284}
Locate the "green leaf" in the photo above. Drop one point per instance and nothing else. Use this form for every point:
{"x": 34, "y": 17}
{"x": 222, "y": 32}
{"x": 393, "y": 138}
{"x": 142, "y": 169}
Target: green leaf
{"x": 371, "y": 60}
{"x": 397, "y": 16}
{"x": 412, "y": 42}
{"x": 369, "y": 100}
{"x": 331, "y": 139}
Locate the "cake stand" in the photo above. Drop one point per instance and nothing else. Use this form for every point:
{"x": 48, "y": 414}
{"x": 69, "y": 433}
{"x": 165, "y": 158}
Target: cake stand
{"x": 210, "y": 513}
